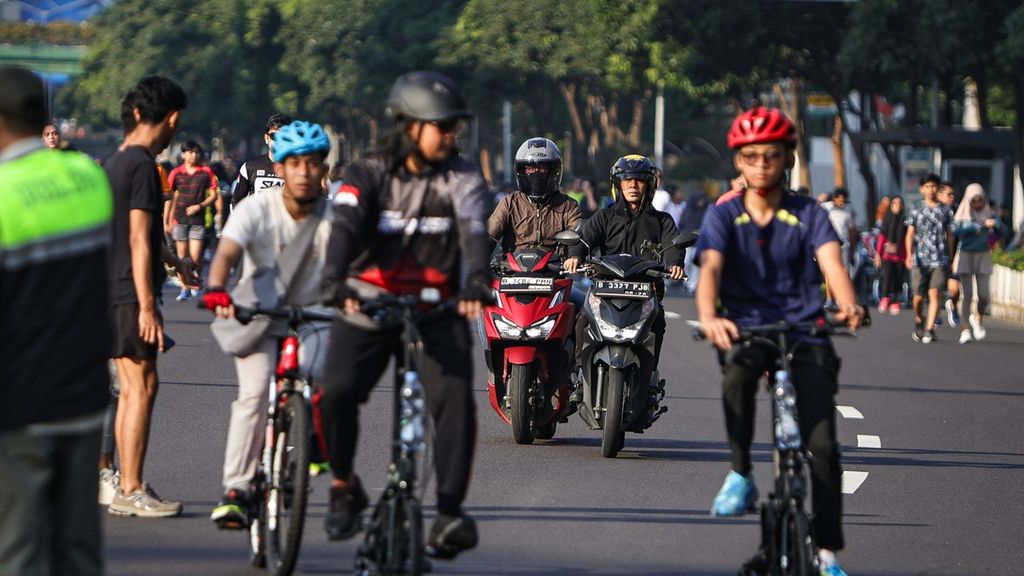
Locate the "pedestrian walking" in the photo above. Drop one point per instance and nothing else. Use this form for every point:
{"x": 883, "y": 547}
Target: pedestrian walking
{"x": 890, "y": 256}
{"x": 947, "y": 196}
{"x": 929, "y": 242}
{"x": 973, "y": 223}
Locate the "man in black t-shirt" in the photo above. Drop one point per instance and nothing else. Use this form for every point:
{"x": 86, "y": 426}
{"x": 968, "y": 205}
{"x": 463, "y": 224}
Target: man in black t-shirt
{"x": 150, "y": 112}
{"x": 258, "y": 175}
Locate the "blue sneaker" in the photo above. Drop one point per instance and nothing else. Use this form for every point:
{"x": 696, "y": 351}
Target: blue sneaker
{"x": 954, "y": 316}
{"x": 832, "y": 569}
{"x": 737, "y": 496}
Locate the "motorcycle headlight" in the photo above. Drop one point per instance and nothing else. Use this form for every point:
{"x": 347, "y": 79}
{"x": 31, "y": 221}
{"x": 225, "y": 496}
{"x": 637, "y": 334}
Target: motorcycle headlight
{"x": 556, "y": 299}
{"x": 541, "y": 328}
{"x": 505, "y": 328}
{"x": 612, "y": 332}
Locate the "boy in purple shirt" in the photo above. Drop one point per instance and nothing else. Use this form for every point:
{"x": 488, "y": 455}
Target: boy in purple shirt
{"x": 757, "y": 255}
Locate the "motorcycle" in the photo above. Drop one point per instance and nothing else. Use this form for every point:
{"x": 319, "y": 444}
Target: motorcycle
{"x": 622, "y": 390}
{"x": 527, "y": 344}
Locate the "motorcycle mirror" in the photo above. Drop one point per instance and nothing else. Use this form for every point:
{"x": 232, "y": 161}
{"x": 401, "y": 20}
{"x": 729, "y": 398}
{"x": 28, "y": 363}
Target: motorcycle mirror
{"x": 567, "y": 238}
{"x": 685, "y": 240}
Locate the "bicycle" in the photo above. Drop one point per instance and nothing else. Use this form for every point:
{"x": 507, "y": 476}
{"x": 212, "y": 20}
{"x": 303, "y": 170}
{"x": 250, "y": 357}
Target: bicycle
{"x": 277, "y": 507}
{"x": 788, "y": 547}
{"x": 393, "y": 543}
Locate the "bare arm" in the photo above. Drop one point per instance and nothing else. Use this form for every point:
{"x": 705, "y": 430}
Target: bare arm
{"x": 150, "y": 324}
{"x": 838, "y": 280}
{"x": 910, "y": 247}
{"x": 228, "y": 254}
{"x": 720, "y": 331}
{"x": 169, "y": 211}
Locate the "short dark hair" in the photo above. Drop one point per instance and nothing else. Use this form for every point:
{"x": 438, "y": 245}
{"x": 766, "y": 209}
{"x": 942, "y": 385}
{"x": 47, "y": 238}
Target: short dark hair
{"x": 22, "y": 99}
{"x": 840, "y": 192}
{"x": 947, "y": 184}
{"x": 931, "y": 178}
{"x": 155, "y": 97}
{"x": 276, "y": 121}
{"x": 192, "y": 146}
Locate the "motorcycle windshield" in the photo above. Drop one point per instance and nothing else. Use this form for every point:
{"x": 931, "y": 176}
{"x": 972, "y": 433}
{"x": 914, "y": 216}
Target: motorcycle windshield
{"x": 624, "y": 265}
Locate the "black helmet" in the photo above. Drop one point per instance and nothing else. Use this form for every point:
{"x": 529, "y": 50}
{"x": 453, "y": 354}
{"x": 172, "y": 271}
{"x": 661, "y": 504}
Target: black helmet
{"x": 426, "y": 96}
{"x": 633, "y": 167}
{"x": 544, "y": 153}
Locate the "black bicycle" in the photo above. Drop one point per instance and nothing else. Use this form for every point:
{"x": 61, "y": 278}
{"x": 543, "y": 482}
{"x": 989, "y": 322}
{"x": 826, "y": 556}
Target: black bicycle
{"x": 280, "y": 490}
{"x": 788, "y": 547}
{"x": 394, "y": 540}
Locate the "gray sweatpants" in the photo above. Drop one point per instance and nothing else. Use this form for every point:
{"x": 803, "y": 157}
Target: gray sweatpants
{"x": 249, "y": 411}
{"x": 967, "y": 290}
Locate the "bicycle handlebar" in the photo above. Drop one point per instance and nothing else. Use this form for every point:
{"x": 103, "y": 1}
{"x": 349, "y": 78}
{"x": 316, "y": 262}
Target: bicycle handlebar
{"x": 828, "y": 325}
{"x": 293, "y": 314}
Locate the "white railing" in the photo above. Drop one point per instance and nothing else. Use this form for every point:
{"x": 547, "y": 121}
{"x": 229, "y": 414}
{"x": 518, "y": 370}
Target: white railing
{"x": 1007, "y": 293}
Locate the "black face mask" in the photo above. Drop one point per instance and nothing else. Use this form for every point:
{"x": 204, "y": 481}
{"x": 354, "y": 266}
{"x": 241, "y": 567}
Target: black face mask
{"x": 538, "y": 186}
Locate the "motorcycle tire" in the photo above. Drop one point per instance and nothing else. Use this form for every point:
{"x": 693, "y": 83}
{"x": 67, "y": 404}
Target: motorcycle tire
{"x": 520, "y": 378}
{"x": 612, "y": 434}
{"x": 547, "y": 432}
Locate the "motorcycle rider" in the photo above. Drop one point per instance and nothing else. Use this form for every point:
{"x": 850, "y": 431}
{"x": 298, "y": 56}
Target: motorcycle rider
{"x": 622, "y": 228}
{"x": 532, "y": 217}
{"x": 762, "y": 255}
{"x": 409, "y": 218}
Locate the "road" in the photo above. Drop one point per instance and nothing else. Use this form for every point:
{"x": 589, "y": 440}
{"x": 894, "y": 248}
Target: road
{"x": 933, "y": 453}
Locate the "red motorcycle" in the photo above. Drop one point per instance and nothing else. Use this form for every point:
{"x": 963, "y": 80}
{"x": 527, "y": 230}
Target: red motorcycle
{"x": 528, "y": 344}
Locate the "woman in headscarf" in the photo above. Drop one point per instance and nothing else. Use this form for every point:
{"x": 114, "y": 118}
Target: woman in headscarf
{"x": 890, "y": 255}
{"x": 973, "y": 222}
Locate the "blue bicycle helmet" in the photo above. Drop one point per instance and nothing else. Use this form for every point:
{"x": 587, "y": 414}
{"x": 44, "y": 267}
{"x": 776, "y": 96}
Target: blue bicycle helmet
{"x": 297, "y": 138}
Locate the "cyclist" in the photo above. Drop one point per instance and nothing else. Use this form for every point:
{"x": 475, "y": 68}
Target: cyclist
{"x": 404, "y": 220}
{"x": 622, "y": 228}
{"x": 757, "y": 255}
{"x": 195, "y": 188}
{"x": 258, "y": 175}
{"x": 532, "y": 217}
{"x": 258, "y": 231}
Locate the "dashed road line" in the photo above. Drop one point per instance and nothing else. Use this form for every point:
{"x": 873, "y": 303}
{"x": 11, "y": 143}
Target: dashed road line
{"x": 852, "y": 481}
{"x": 672, "y": 315}
{"x": 868, "y": 441}
{"x": 850, "y": 412}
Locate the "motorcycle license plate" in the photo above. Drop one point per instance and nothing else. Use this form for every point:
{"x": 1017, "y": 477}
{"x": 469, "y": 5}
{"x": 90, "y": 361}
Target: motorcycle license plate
{"x": 526, "y": 285}
{"x": 622, "y": 289}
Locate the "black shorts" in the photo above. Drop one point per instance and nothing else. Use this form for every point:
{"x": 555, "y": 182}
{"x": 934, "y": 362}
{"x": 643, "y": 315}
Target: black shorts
{"x": 127, "y": 341}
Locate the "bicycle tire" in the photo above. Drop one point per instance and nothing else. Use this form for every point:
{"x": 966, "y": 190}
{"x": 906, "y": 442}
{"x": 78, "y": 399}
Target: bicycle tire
{"x": 257, "y": 543}
{"x": 287, "y": 487}
{"x": 394, "y": 541}
{"x": 612, "y": 435}
{"x": 520, "y": 377}
{"x": 803, "y": 548}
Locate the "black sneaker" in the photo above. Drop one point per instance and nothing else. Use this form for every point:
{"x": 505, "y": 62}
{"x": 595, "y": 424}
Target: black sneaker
{"x": 343, "y": 515}
{"x": 450, "y": 535}
{"x": 231, "y": 512}
{"x": 918, "y": 331}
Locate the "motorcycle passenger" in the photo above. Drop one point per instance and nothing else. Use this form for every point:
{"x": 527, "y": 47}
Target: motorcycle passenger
{"x": 532, "y": 217}
{"x": 405, "y": 220}
{"x": 762, "y": 255}
{"x": 259, "y": 230}
{"x": 622, "y": 228}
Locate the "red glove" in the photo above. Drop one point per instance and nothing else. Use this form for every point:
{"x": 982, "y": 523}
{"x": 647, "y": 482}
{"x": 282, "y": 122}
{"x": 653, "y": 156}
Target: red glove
{"x": 215, "y": 297}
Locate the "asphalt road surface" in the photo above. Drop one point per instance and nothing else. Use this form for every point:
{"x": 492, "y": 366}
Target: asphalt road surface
{"x": 933, "y": 453}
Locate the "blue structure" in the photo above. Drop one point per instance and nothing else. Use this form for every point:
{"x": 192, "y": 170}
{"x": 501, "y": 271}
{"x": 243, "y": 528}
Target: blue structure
{"x": 46, "y": 11}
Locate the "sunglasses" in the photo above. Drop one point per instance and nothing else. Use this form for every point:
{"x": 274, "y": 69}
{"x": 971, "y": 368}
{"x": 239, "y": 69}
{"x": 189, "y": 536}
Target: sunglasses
{"x": 754, "y": 158}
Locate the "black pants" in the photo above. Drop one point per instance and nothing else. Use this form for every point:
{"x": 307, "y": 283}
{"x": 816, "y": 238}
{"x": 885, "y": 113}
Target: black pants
{"x": 814, "y": 371}
{"x": 356, "y": 361}
{"x": 892, "y": 279}
{"x": 657, "y": 327}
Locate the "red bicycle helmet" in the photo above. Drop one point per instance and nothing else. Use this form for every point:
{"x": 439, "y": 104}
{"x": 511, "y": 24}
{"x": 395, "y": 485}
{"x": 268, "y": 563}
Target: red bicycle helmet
{"x": 761, "y": 125}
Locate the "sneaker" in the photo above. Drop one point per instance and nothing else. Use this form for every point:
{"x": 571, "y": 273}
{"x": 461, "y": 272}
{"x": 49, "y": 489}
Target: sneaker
{"x": 231, "y": 513}
{"x": 894, "y": 308}
{"x": 883, "y": 305}
{"x": 831, "y": 569}
{"x": 918, "y": 331}
{"x": 977, "y": 329}
{"x": 450, "y": 535}
{"x": 183, "y": 295}
{"x": 737, "y": 496}
{"x": 343, "y": 513}
{"x": 965, "y": 336}
{"x": 109, "y": 482}
{"x": 952, "y": 314}
{"x": 318, "y": 468}
{"x": 929, "y": 337}
{"x": 196, "y": 292}
{"x": 143, "y": 503}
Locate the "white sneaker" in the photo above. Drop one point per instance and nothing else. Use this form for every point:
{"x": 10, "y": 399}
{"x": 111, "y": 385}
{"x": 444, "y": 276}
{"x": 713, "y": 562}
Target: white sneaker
{"x": 144, "y": 503}
{"x": 110, "y": 481}
{"x": 965, "y": 336}
{"x": 977, "y": 328}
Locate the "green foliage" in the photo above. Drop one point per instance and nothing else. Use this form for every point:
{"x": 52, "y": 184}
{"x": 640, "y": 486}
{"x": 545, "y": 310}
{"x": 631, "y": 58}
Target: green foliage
{"x": 60, "y": 33}
{"x": 1013, "y": 260}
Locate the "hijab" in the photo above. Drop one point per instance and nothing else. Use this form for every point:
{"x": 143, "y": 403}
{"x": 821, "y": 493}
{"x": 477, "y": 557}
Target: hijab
{"x": 894, "y": 224}
{"x": 967, "y": 212}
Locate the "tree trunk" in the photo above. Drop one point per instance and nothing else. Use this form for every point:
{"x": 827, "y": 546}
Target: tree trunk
{"x": 607, "y": 128}
{"x": 792, "y": 106}
{"x": 594, "y": 144}
{"x": 637, "y": 122}
{"x": 839, "y": 166}
{"x": 568, "y": 90}
{"x": 861, "y": 151}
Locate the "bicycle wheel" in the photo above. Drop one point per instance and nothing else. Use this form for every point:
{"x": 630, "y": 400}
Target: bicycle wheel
{"x": 287, "y": 482}
{"x": 520, "y": 413}
{"x": 612, "y": 435}
{"x": 258, "y": 515}
{"x": 394, "y": 543}
{"x": 800, "y": 549}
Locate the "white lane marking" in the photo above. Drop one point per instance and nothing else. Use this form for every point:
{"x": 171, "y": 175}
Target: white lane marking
{"x": 868, "y": 441}
{"x": 852, "y": 481}
{"x": 850, "y": 412}
{"x": 671, "y": 314}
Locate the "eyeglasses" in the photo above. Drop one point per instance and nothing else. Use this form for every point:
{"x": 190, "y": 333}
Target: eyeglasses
{"x": 536, "y": 170}
{"x": 446, "y": 126}
{"x": 754, "y": 158}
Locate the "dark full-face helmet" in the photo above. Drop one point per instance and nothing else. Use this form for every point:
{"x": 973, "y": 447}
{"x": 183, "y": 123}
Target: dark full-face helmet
{"x": 426, "y": 96}
{"x": 538, "y": 169}
{"x": 633, "y": 167}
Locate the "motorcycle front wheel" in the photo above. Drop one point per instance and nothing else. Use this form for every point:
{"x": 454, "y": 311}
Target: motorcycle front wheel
{"x": 612, "y": 434}
{"x": 520, "y": 377}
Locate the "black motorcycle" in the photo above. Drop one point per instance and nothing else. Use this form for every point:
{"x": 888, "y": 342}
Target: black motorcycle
{"x": 622, "y": 390}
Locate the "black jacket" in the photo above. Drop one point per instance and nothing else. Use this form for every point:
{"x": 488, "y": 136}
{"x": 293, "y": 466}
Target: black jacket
{"x": 615, "y": 230}
{"x": 404, "y": 232}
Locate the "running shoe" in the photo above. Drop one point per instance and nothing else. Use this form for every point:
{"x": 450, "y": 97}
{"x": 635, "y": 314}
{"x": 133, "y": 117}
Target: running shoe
{"x": 450, "y": 535}
{"x": 952, "y": 314}
{"x": 346, "y": 506}
{"x": 737, "y": 496}
{"x": 894, "y": 308}
{"x": 976, "y": 328}
{"x": 231, "y": 513}
{"x": 832, "y": 569}
{"x": 929, "y": 337}
{"x": 965, "y": 336}
{"x": 143, "y": 503}
{"x": 183, "y": 295}
{"x": 883, "y": 305}
{"x": 110, "y": 480}
{"x": 918, "y": 334}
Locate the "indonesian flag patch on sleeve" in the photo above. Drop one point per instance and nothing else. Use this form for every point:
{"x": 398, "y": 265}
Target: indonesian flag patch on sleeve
{"x": 348, "y": 195}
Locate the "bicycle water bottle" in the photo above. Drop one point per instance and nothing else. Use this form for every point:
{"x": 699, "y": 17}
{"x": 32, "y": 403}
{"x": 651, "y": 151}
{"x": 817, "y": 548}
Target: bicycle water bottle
{"x": 411, "y": 419}
{"x": 787, "y": 429}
